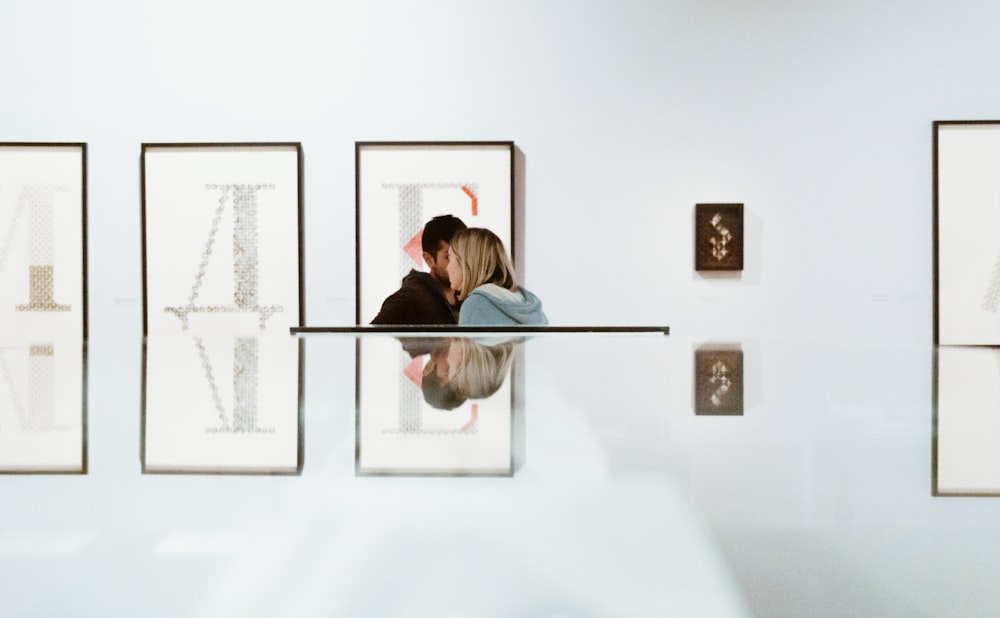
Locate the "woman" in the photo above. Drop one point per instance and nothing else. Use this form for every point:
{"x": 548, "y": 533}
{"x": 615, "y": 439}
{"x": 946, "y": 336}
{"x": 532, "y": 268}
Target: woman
{"x": 483, "y": 277}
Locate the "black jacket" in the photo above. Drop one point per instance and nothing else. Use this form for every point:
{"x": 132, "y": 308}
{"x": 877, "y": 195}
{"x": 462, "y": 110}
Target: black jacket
{"x": 419, "y": 301}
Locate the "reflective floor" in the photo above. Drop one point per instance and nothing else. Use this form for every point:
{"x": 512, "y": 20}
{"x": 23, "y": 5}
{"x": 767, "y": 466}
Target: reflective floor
{"x": 550, "y": 475}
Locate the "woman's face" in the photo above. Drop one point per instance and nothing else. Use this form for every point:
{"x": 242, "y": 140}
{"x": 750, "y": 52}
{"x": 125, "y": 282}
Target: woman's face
{"x": 454, "y": 271}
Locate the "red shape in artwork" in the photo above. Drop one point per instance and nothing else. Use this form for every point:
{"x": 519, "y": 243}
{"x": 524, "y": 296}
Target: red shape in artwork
{"x": 414, "y": 249}
{"x": 475, "y": 200}
{"x": 415, "y": 371}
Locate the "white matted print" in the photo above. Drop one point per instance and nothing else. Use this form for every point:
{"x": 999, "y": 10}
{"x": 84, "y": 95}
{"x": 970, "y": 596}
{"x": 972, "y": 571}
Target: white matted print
{"x": 43, "y": 240}
{"x": 967, "y": 232}
{"x": 43, "y": 406}
{"x": 401, "y": 186}
{"x": 967, "y": 422}
{"x": 436, "y": 406}
{"x": 221, "y": 237}
{"x": 222, "y": 404}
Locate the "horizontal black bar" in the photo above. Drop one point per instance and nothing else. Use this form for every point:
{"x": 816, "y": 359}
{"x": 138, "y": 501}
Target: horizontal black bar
{"x": 465, "y": 330}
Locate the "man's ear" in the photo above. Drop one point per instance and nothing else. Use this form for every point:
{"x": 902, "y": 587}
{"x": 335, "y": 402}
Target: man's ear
{"x": 429, "y": 258}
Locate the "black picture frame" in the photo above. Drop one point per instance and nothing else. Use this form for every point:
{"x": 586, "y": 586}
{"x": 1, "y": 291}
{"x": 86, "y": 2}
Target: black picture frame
{"x": 966, "y": 278}
{"x": 379, "y": 265}
{"x": 234, "y": 147}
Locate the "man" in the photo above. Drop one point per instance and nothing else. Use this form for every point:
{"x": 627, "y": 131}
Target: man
{"x": 426, "y": 298}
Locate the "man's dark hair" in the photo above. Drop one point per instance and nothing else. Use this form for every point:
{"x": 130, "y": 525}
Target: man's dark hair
{"x": 440, "y": 394}
{"x": 439, "y": 229}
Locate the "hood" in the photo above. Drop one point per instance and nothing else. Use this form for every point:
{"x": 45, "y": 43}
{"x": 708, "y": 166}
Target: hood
{"x": 523, "y": 310}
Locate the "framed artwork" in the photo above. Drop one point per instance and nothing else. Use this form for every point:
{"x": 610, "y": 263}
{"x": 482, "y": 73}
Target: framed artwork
{"x": 402, "y": 185}
{"x": 43, "y": 244}
{"x": 966, "y": 435}
{"x": 434, "y": 406}
{"x": 718, "y": 237}
{"x": 43, "y": 307}
{"x": 221, "y": 404}
{"x": 718, "y": 371}
{"x": 43, "y": 406}
{"x": 966, "y": 251}
{"x": 222, "y": 229}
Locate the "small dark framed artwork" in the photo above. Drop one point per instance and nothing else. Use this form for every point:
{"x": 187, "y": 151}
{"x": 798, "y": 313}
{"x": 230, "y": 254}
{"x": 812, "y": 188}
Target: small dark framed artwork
{"x": 718, "y": 377}
{"x": 718, "y": 237}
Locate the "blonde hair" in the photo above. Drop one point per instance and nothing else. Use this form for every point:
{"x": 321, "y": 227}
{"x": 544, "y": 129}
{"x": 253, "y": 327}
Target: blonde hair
{"x": 483, "y": 259}
{"x": 483, "y": 368}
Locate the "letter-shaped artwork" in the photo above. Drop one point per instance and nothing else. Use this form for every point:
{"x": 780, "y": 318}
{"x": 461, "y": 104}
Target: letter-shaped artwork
{"x": 222, "y": 404}
{"x": 42, "y": 406}
{"x": 221, "y": 237}
{"x": 43, "y": 239}
{"x": 718, "y": 370}
{"x": 435, "y": 406}
{"x": 43, "y": 307}
{"x": 402, "y": 185}
{"x": 718, "y": 237}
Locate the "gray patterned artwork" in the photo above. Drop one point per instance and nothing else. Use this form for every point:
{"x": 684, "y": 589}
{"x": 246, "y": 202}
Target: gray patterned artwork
{"x": 412, "y": 217}
{"x": 43, "y": 319}
{"x": 221, "y": 237}
{"x": 207, "y": 409}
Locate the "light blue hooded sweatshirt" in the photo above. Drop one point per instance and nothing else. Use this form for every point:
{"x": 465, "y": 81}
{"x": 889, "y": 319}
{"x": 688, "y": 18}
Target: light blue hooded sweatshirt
{"x": 492, "y": 305}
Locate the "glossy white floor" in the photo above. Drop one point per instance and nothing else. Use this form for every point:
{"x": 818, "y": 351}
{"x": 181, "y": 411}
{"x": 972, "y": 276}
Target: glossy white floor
{"x": 618, "y": 499}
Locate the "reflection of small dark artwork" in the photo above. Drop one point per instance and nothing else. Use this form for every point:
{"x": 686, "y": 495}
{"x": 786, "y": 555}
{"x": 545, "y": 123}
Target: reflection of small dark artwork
{"x": 718, "y": 237}
{"x": 718, "y": 376}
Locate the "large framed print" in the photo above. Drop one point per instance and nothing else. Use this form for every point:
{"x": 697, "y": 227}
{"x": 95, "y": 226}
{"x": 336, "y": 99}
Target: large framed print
{"x": 966, "y": 243}
{"x": 400, "y": 186}
{"x": 222, "y": 230}
{"x": 435, "y": 406}
{"x": 222, "y": 404}
{"x": 718, "y": 237}
{"x": 43, "y": 239}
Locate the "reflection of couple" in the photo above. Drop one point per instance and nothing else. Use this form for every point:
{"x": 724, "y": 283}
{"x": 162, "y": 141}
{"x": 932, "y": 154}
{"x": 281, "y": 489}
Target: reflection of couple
{"x": 471, "y": 282}
{"x": 462, "y": 369}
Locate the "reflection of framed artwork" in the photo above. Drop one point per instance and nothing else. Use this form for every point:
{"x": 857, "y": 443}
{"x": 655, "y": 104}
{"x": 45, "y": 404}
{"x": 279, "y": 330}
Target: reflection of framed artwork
{"x": 222, "y": 404}
{"x": 222, "y": 237}
{"x": 966, "y": 452}
{"x": 966, "y": 245}
{"x": 718, "y": 371}
{"x": 718, "y": 238}
{"x": 43, "y": 245}
{"x": 43, "y": 406}
{"x": 436, "y": 406}
{"x": 402, "y": 185}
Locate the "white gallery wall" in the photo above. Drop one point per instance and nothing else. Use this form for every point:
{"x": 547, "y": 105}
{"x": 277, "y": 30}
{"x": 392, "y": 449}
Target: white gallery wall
{"x": 815, "y": 115}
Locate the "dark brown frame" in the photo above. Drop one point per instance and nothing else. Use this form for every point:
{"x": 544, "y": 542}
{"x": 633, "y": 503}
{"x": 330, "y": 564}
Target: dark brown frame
{"x": 359, "y": 146}
{"x": 703, "y": 355}
{"x": 702, "y": 259}
{"x": 240, "y": 145}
